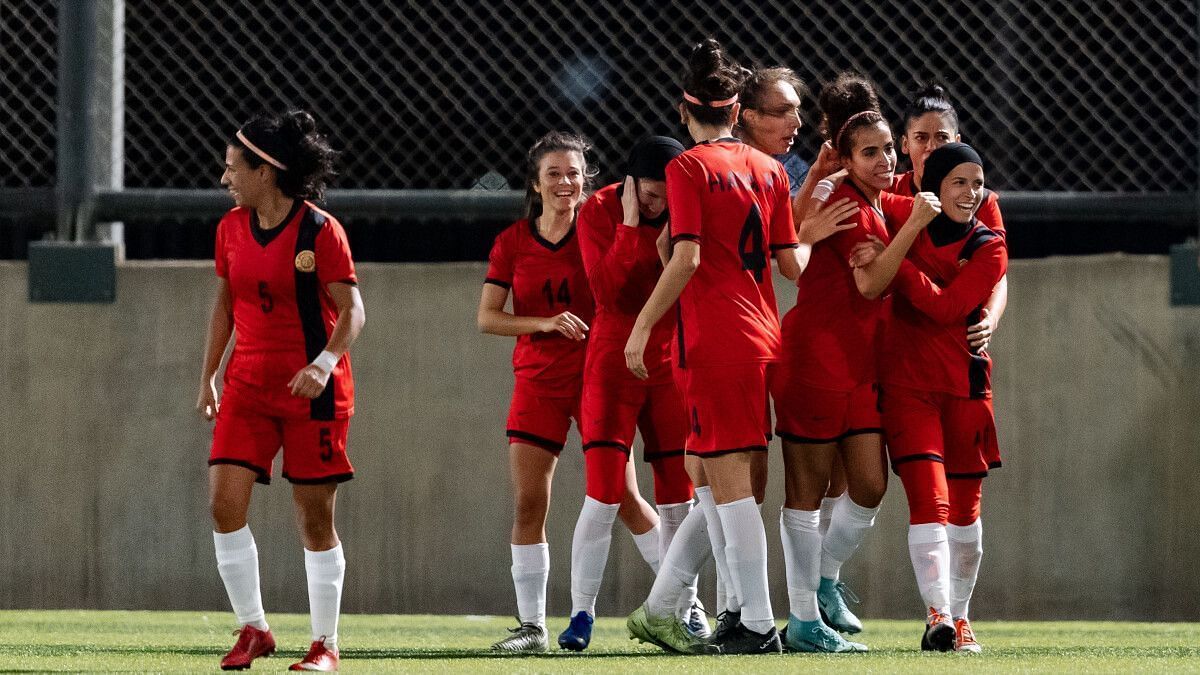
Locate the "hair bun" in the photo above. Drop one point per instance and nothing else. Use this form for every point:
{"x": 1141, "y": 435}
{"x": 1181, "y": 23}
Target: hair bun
{"x": 298, "y": 121}
{"x": 706, "y": 56}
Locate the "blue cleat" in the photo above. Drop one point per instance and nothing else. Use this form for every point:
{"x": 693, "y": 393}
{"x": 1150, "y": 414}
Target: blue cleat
{"x": 815, "y": 636}
{"x": 578, "y": 634}
{"x": 831, "y": 598}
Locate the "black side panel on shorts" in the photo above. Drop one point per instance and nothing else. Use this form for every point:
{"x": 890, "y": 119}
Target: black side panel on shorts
{"x": 679, "y": 335}
{"x": 308, "y": 305}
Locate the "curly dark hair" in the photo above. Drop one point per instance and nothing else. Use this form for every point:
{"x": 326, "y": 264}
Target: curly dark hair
{"x": 292, "y": 139}
{"x": 841, "y": 103}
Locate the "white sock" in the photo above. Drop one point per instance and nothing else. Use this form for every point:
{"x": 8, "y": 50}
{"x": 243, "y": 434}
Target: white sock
{"x": 326, "y": 571}
{"x": 689, "y": 552}
{"x": 649, "y": 544}
{"x": 966, "y": 552}
{"x": 670, "y": 517}
{"x": 237, "y": 561}
{"x": 530, "y": 569}
{"x": 827, "y": 506}
{"x": 746, "y": 555}
{"x": 930, "y": 554}
{"x": 589, "y": 553}
{"x": 847, "y": 528}
{"x": 716, "y": 538}
{"x": 800, "y": 531}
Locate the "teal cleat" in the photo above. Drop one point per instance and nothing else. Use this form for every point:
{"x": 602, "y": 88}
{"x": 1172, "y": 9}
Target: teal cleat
{"x": 831, "y": 598}
{"x": 815, "y": 636}
{"x": 666, "y": 632}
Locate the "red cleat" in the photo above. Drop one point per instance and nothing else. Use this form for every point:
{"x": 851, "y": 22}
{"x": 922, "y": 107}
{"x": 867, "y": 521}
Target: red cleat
{"x": 318, "y": 658}
{"x": 251, "y": 644}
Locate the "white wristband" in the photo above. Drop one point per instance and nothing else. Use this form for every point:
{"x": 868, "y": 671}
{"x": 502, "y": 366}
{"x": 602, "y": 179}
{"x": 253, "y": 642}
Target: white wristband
{"x": 823, "y": 189}
{"x": 326, "y": 360}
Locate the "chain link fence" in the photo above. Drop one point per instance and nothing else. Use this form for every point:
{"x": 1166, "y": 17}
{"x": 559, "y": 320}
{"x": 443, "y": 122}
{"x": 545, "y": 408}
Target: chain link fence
{"x": 1059, "y": 94}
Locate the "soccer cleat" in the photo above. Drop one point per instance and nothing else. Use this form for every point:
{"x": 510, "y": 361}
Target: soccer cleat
{"x": 319, "y": 658}
{"x": 696, "y": 621}
{"x": 742, "y": 640}
{"x": 831, "y": 599}
{"x": 939, "y": 633}
{"x": 251, "y": 644}
{"x": 578, "y": 634}
{"x": 667, "y": 633}
{"x": 815, "y": 636}
{"x": 965, "y": 637}
{"x": 526, "y": 638}
{"x": 726, "y": 621}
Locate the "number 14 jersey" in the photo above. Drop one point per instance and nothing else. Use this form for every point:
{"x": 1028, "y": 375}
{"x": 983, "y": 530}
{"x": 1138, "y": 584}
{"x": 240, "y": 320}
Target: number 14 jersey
{"x": 545, "y": 279}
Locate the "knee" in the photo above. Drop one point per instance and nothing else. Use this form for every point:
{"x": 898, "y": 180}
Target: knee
{"x": 530, "y": 507}
{"x": 869, "y": 494}
{"x": 928, "y": 508}
{"x": 228, "y": 511}
{"x": 671, "y": 482}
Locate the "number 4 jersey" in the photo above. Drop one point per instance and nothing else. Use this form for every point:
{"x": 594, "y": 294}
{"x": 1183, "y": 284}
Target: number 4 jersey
{"x": 734, "y": 202}
{"x": 283, "y": 313}
{"x": 544, "y": 279}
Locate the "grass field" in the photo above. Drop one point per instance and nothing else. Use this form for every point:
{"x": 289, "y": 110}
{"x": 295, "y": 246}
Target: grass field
{"x": 195, "y": 641}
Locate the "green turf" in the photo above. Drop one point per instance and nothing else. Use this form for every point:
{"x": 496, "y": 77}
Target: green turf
{"x": 191, "y": 641}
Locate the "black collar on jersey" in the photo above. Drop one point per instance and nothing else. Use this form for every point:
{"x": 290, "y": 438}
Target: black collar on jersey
{"x": 553, "y": 246}
{"x": 723, "y": 139}
{"x": 862, "y": 194}
{"x": 264, "y": 236}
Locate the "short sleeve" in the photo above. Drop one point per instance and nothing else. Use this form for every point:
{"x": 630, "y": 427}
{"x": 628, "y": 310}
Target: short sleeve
{"x": 500, "y": 262}
{"x": 334, "y": 264}
{"x": 221, "y": 250}
{"x": 683, "y": 198}
{"x": 896, "y": 210}
{"x": 989, "y": 214}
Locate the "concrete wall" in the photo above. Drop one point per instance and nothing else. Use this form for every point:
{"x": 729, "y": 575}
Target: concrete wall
{"x": 103, "y": 494}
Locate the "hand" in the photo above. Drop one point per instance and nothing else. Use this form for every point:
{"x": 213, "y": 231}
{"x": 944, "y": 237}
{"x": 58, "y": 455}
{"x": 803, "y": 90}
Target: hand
{"x": 979, "y": 336}
{"x": 309, "y": 382}
{"x": 663, "y": 244}
{"x": 865, "y": 252}
{"x": 837, "y": 178}
{"x": 629, "y": 203}
{"x": 823, "y": 223}
{"x": 635, "y": 351}
{"x": 827, "y": 161}
{"x": 206, "y": 402}
{"x": 568, "y": 324}
{"x": 926, "y": 207}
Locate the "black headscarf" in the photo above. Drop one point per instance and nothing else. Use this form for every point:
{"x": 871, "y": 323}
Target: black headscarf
{"x": 943, "y": 230}
{"x": 648, "y": 159}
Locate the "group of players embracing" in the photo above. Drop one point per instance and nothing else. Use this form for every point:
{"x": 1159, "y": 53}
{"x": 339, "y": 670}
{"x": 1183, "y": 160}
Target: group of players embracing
{"x": 648, "y": 305}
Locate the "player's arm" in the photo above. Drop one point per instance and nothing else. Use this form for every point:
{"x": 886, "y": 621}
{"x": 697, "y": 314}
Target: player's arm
{"x": 979, "y": 335}
{"x": 822, "y": 222}
{"x": 608, "y": 261}
{"x": 826, "y": 163}
{"x": 220, "y": 329}
{"x": 954, "y": 303}
{"x": 310, "y": 381}
{"x": 685, "y": 259}
{"x": 873, "y": 278}
{"x": 493, "y": 320}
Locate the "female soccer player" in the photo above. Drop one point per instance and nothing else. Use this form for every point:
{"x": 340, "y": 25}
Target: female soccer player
{"x": 937, "y": 395}
{"x": 732, "y": 202}
{"x": 618, "y": 229}
{"x": 287, "y": 290}
{"x": 930, "y": 121}
{"x": 826, "y": 390}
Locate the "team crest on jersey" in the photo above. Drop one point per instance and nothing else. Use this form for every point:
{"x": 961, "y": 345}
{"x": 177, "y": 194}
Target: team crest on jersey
{"x": 306, "y": 261}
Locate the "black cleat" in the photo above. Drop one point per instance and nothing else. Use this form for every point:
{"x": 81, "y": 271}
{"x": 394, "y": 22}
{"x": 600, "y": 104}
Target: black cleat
{"x": 726, "y": 621}
{"x": 939, "y": 633}
{"x": 742, "y": 640}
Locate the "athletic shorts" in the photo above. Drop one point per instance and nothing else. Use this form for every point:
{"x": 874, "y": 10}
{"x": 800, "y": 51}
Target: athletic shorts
{"x": 726, "y": 408}
{"x": 923, "y": 425}
{"x": 314, "y": 451}
{"x": 807, "y": 414}
{"x": 613, "y": 405}
{"x": 537, "y": 419}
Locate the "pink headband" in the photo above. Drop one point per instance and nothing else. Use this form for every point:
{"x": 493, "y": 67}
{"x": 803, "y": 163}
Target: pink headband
{"x": 712, "y": 104}
{"x": 847, "y": 124}
{"x": 259, "y": 151}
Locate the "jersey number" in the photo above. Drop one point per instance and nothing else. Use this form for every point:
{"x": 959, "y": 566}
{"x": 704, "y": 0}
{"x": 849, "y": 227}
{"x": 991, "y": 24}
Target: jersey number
{"x": 326, "y": 445}
{"x": 564, "y": 293}
{"x": 754, "y": 257}
{"x": 264, "y": 293}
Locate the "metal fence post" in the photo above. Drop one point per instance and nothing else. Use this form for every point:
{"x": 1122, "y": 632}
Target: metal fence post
{"x": 76, "y": 105}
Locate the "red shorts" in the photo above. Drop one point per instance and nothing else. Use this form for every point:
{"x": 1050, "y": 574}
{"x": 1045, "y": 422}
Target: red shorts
{"x": 615, "y": 404}
{"x": 537, "y": 419}
{"x": 314, "y": 451}
{"x": 923, "y": 425}
{"x": 807, "y": 414}
{"x": 726, "y": 407}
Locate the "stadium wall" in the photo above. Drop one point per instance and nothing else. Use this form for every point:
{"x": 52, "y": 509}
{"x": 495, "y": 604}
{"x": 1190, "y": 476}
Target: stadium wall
{"x": 103, "y": 496}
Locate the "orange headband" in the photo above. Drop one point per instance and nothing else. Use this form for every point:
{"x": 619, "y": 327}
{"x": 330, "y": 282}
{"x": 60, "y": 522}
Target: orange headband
{"x": 259, "y": 151}
{"x": 712, "y": 104}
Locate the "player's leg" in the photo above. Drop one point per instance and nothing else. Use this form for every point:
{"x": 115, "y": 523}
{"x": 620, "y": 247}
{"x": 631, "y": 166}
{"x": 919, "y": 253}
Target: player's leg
{"x": 836, "y": 491}
{"x": 641, "y": 519}
{"x": 242, "y": 451}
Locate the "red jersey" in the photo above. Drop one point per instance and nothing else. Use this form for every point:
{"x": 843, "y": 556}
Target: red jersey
{"x": 734, "y": 201}
{"x": 988, "y": 212}
{"x": 940, "y": 290}
{"x": 545, "y": 279}
{"x": 829, "y": 336}
{"x": 283, "y": 313}
{"x": 623, "y": 267}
